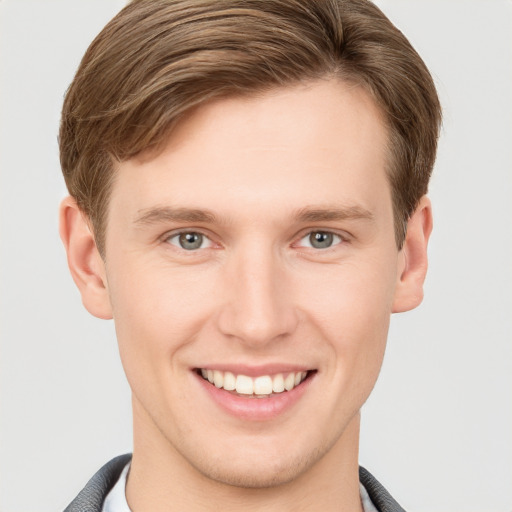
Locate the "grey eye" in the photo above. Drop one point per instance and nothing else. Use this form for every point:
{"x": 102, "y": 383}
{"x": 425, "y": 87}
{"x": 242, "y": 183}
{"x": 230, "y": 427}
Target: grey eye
{"x": 188, "y": 241}
{"x": 321, "y": 239}
{"x": 191, "y": 241}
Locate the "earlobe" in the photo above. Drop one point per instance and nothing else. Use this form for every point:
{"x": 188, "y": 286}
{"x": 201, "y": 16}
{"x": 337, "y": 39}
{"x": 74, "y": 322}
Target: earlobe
{"x": 85, "y": 263}
{"x": 413, "y": 260}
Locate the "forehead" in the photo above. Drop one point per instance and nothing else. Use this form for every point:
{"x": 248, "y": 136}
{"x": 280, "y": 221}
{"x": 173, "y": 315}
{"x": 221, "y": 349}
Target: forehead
{"x": 319, "y": 142}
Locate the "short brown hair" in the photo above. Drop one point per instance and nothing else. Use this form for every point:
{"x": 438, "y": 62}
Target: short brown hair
{"x": 157, "y": 59}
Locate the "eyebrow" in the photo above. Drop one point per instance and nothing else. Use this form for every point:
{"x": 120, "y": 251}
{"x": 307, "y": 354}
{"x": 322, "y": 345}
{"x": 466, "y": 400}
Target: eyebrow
{"x": 166, "y": 214}
{"x": 322, "y": 214}
{"x": 307, "y": 214}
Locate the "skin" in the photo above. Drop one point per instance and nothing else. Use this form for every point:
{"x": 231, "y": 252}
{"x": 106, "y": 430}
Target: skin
{"x": 255, "y": 293}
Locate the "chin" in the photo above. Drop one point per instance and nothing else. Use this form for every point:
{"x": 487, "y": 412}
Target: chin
{"x": 255, "y": 476}
{"x": 250, "y": 471}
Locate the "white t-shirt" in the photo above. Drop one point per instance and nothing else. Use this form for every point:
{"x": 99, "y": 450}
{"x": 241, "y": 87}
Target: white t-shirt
{"x": 116, "y": 498}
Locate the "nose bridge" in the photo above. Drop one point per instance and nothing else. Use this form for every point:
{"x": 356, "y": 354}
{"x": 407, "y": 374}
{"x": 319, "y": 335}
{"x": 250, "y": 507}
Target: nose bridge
{"x": 259, "y": 308}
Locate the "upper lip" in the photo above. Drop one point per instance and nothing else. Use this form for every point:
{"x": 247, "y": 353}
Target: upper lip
{"x": 256, "y": 370}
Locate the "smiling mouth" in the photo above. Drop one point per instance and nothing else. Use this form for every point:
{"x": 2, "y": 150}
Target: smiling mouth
{"x": 263, "y": 386}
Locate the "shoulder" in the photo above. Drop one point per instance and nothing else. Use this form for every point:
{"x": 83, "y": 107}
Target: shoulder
{"x": 92, "y": 496}
{"x": 380, "y": 497}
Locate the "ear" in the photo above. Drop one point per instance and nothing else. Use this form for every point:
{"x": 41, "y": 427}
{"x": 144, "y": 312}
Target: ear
{"x": 84, "y": 261}
{"x": 413, "y": 261}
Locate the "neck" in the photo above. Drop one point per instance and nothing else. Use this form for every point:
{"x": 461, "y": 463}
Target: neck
{"x": 161, "y": 479}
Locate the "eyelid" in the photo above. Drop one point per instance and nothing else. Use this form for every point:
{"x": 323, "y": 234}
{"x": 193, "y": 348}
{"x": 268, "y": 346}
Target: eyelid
{"x": 180, "y": 231}
{"x": 343, "y": 235}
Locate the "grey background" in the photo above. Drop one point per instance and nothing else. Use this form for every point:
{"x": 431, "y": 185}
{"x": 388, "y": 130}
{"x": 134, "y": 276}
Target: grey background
{"x": 438, "y": 429}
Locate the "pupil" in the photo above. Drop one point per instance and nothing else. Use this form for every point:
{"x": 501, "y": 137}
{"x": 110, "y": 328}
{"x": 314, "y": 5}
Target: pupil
{"x": 190, "y": 241}
{"x": 321, "y": 240}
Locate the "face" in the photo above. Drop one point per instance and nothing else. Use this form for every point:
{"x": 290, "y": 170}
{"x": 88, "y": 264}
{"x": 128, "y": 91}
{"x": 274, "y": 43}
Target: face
{"x": 251, "y": 270}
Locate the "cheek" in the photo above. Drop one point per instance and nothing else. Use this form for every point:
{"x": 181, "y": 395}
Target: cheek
{"x": 157, "y": 312}
{"x": 356, "y": 295}
{"x": 156, "y": 297}
{"x": 352, "y": 309}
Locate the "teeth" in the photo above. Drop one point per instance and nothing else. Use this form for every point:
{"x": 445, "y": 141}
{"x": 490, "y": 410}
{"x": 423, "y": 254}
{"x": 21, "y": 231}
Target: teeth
{"x": 229, "y": 381}
{"x": 278, "y": 383}
{"x": 289, "y": 382}
{"x": 261, "y": 386}
{"x": 218, "y": 379}
{"x": 244, "y": 385}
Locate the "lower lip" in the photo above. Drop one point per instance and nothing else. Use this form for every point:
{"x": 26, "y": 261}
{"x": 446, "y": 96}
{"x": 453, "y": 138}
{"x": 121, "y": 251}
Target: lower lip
{"x": 255, "y": 409}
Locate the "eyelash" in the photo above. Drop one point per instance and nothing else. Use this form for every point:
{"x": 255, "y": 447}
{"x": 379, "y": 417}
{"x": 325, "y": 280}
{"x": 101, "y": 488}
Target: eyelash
{"x": 169, "y": 236}
{"x": 337, "y": 239}
{"x": 332, "y": 234}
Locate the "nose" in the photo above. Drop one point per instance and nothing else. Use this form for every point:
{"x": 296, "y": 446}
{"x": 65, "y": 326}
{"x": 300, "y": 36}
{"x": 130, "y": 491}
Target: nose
{"x": 258, "y": 308}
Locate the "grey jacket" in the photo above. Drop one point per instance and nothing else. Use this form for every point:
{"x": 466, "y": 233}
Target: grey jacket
{"x": 91, "y": 497}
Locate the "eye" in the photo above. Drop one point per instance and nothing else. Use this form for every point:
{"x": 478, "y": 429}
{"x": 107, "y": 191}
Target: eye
{"x": 189, "y": 240}
{"x": 320, "y": 240}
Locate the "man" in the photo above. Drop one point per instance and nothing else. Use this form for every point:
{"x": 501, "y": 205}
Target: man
{"x": 247, "y": 201}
